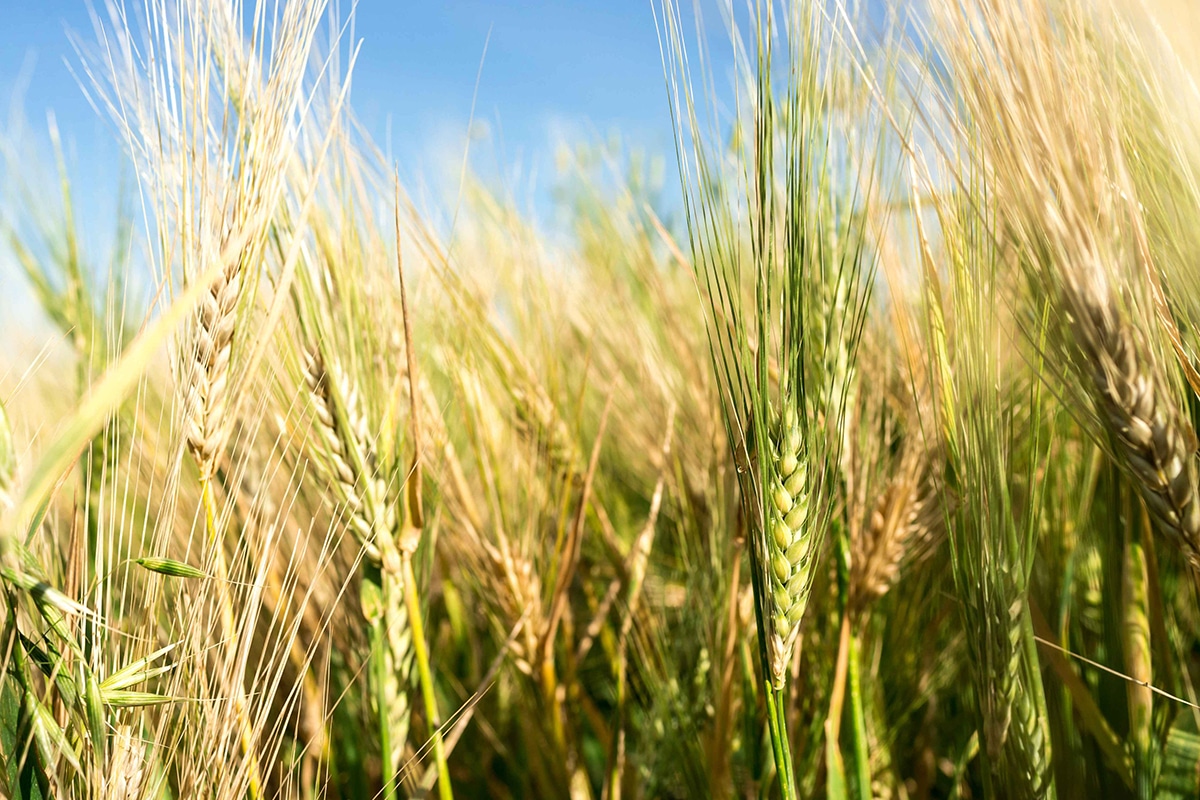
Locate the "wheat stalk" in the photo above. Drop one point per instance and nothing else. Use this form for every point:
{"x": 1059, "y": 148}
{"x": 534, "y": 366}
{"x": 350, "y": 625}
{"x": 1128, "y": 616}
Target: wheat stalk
{"x": 370, "y": 507}
{"x": 500, "y": 562}
{"x": 1135, "y": 641}
{"x": 992, "y": 413}
{"x": 8, "y": 461}
{"x": 783, "y": 260}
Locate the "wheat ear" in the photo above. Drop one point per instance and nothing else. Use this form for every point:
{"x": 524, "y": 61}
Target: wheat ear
{"x": 877, "y": 553}
{"x": 1151, "y": 437}
{"x": 351, "y": 463}
{"x": 1026, "y": 757}
{"x": 789, "y": 539}
{"x": 206, "y": 428}
{"x": 126, "y": 767}
{"x": 206, "y": 419}
{"x": 370, "y": 511}
{"x": 538, "y": 420}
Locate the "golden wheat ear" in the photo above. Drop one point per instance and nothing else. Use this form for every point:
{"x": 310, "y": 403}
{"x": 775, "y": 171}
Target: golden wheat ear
{"x": 207, "y": 373}
{"x": 1151, "y": 436}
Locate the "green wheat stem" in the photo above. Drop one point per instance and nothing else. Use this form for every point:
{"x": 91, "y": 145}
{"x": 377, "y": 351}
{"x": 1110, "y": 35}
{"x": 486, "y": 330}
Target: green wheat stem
{"x": 425, "y": 674}
{"x": 780, "y": 747}
{"x": 382, "y": 681}
{"x": 1136, "y": 635}
{"x": 614, "y": 761}
{"x": 858, "y": 723}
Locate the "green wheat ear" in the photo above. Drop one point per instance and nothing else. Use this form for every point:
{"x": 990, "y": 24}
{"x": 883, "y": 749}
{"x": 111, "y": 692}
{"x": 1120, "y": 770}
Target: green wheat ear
{"x": 789, "y": 543}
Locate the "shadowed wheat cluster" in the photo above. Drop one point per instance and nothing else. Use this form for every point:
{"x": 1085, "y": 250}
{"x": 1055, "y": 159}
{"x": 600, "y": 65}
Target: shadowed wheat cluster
{"x": 864, "y": 465}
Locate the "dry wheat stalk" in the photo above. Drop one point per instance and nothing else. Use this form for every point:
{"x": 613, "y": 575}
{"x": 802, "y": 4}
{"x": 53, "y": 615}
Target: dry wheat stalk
{"x": 499, "y": 561}
{"x": 8, "y": 461}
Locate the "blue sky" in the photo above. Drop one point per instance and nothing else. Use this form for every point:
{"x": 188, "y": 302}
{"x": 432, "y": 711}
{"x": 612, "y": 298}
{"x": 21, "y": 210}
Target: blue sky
{"x": 548, "y": 62}
{"x": 553, "y": 70}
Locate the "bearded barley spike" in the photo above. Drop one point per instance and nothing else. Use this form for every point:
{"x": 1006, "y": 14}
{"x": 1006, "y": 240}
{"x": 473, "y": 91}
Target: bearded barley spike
{"x": 788, "y": 540}
{"x": 1029, "y": 756}
{"x": 350, "y": 455}
{"x": 344, "y": 433}
{"x": 1151, "y": 435}
{"x": 206, "y": 419}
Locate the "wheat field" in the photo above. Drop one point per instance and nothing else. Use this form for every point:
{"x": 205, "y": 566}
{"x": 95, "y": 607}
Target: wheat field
{"x": 862, "y": 466}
